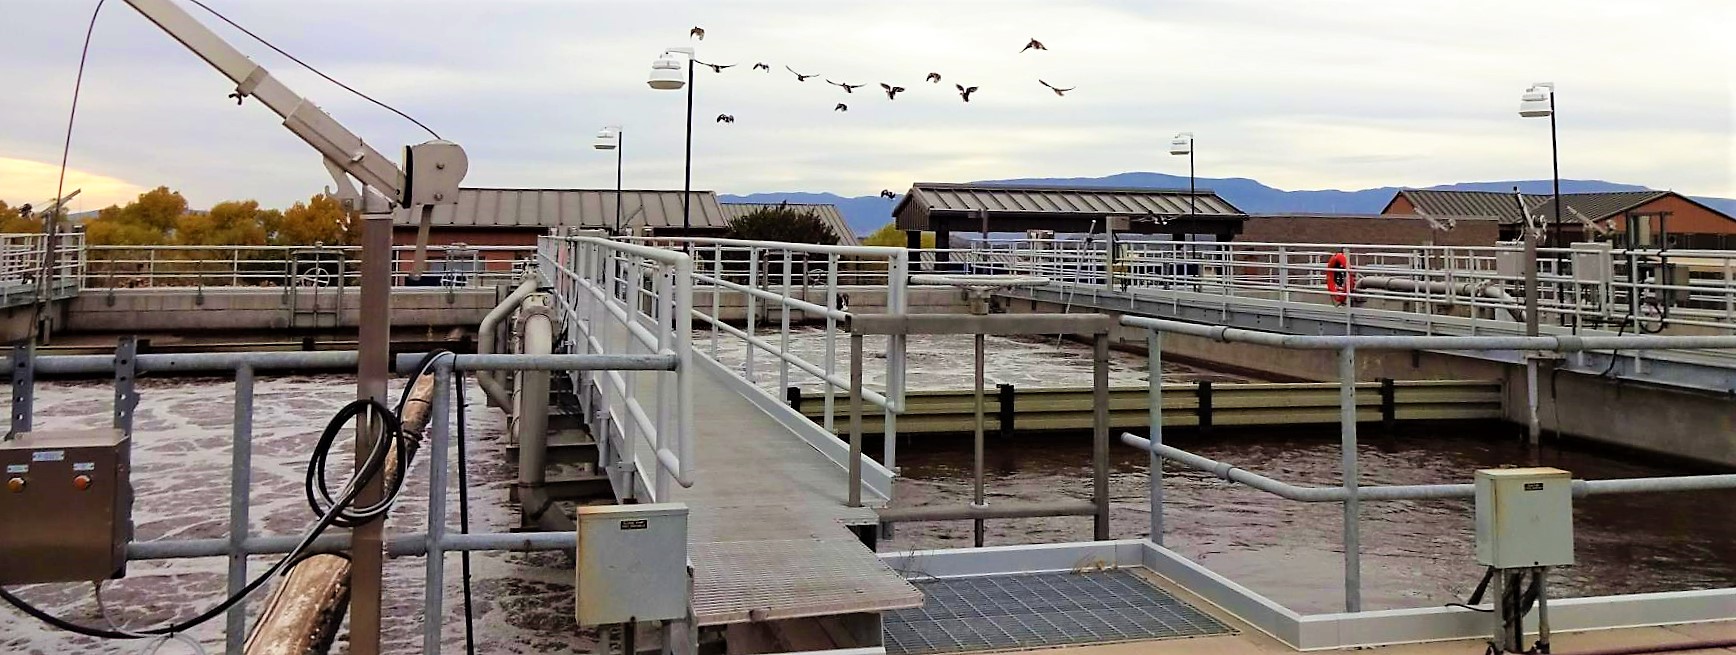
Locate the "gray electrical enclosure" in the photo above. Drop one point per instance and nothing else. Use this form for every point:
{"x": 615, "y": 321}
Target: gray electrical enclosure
{"x": 632, "y": 563}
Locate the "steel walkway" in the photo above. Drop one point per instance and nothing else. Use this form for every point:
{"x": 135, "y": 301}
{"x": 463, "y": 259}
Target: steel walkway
{"x": 768, "y": 530}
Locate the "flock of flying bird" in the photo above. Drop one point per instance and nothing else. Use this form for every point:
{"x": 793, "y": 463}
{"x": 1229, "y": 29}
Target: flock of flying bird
{"x": 891, "y": 90}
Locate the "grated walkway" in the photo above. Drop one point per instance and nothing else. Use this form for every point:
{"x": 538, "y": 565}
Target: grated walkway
{"x": 767, "y": 529}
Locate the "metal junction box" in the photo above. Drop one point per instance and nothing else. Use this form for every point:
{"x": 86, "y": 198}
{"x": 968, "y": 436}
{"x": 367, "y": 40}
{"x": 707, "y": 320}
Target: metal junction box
{"x": 632, "y": 563}
{"x": 1524, "y": 517}
{"x": 66, "y": 504}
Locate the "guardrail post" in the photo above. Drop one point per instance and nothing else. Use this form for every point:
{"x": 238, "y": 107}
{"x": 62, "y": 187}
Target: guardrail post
{"x": 1154, "y": 463}
{"x": 753, "y": 273}
{"x": 1388, "y": 405}
{"x": 1100, "y": 433}
{"x": 126, "y": 399}
{"x": 240, "y": 501}
{"x": 1347, "y": 444}
{"x": 855, "y": 477}
{"x": 1204, "y": 406}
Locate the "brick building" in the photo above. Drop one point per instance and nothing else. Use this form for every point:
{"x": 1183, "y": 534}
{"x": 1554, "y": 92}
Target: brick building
{"x": 1370, "y": 229}
{"x": 1659, "y": 217}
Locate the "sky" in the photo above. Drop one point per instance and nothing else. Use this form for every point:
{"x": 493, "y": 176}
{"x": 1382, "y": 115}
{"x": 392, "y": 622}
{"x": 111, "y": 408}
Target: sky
{"x": 1313, "y": 94}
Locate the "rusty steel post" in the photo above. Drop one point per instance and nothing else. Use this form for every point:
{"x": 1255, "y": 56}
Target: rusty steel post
{"x": 373, "y": 335}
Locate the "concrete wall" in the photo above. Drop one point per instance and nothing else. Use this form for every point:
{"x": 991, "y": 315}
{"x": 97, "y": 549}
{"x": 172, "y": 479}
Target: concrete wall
{"x": 1675, "y": 423}
{"x": 1373, "y": 229}
{"x": 165, "y": 309}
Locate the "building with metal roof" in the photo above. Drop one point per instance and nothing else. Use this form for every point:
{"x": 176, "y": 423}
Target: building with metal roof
{"x": 944, "y": 208}
{"x": 828, "y": 213}
{"x": 1670, "y": 216}
{"x": 658, "y": 211}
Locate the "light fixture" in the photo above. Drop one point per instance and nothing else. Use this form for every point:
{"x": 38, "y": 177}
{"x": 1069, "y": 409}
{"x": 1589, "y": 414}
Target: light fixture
{"x": 607, "y": 139}
{"x": 1538, "y": 101}
{"x": 666, "y": 74}
{"x": 1182, "y": 144}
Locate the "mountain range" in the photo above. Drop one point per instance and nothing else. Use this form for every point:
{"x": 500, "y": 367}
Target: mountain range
{"x": 868, "y": 213}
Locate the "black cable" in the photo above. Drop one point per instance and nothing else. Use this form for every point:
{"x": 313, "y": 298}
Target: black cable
{"x": 464, "y": 518}
{"x": 310, "y": 68}
{"x": 49, "y": 222}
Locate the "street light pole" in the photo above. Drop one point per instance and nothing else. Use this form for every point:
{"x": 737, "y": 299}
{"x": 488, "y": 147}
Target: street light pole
{"x": 1555, "y": 165}
{"x": 1183, "y": 144}
{"x": 665, "y": 75}
{"x": 613, "y": 138}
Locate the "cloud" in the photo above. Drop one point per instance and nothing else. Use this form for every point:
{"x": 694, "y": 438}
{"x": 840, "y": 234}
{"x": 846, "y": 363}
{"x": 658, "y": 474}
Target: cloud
{"x": 1327, "y": 93}
{"x": 25, "y": 181}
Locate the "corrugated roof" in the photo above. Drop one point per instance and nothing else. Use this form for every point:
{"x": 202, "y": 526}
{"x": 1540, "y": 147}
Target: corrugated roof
{"x": 1500, "y": 205}
{"x": 828, "y": 213}
{"x": 1102, "y": 201}
{"x": 584, "y": 208}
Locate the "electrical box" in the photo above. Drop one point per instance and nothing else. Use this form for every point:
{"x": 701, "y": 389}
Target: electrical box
{"x": 1510, "y": 263}
{"x": 1524, "y": 517}
{"x": 632, "y": 563}
{"x": 1593, "y": 263}
{"x": 66, "y": 506}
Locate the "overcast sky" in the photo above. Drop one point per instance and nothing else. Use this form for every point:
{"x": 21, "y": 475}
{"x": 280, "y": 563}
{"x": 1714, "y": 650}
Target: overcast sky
{"x": 1297, "y": 94}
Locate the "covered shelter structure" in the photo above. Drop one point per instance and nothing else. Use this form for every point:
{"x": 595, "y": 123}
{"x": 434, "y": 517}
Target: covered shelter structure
{"x": 988, "y": 207}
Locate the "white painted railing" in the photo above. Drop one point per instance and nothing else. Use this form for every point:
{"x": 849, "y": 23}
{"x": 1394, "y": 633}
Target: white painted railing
{"x": 792, "y": 283}
{"x": 21, "y": 266}
{"x": 1691, "y": 291}
{"x": 627, "y": 299}
{"x": 112, "y": 267}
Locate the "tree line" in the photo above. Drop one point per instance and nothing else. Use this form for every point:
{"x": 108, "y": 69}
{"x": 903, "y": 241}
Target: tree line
{"x": 161, "y": 217}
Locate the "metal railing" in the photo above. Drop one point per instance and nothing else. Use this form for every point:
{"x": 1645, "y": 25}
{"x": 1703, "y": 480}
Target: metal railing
{"x": 1590, "y": 286}
{"x": 21, "y": 266}
{"x": 1351, "y": 493}
{"x": 792, "y": 283}
{"x": 433, "y": 543}
{"x": 627, "y": 299}
{"x": 115, "y": 267}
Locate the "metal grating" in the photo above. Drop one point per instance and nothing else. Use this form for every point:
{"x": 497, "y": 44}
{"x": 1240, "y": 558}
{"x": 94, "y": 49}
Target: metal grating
{"x": 1038, "y": 610}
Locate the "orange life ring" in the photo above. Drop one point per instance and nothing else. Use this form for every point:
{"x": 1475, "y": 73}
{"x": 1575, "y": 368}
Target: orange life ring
{"x": 1339, "y": 280}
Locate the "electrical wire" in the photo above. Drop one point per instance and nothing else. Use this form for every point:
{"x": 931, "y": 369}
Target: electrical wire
{"x": 49, "y": 222}
{"x": 464, "y": 518}
{"x": 313, "y": 70}
{"x": 339, "y": 507}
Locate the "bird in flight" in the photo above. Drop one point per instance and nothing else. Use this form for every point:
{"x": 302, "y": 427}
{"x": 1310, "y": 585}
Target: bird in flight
{"x": 888, "y": 194}
{"x": 891, "y": 91}
{"x": 762, "y": 67}
{"x": 934, "y": 77}
{"x": 697, "y": 33}
{"x": 848, "y": 88}
{"x": 715, "y": 68}
{"x": 725, "y": 118}
{"x": 1034, "y": 45}
{"x": 1058, "y": 91}
{"x": 964, "y": 91}
{"x": 800, "y": 77}
{"x": 841, "y": 107}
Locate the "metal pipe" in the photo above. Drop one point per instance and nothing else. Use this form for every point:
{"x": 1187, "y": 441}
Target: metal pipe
{"x": 498, "y": 394}
{"x": 1533, "y": 424}
{"x": 979, "y": 513}
{"x": 340, "y": 359}
{"x": 434, "y": 582}
{"x": 408, "y": 544}
{"x": 1581, "y": 488}
{"x": 1561, "y": 342}
{"x": 240, "y": 503}
{"x": 1347, "y": 447}
{"x": 532, "y": 408}
{"x": 1468, "y": 289}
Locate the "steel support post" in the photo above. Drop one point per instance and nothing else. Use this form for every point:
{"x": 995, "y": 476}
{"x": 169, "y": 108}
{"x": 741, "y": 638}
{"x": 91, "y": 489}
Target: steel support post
{"x": 1100, "y": 433}
{"x": 434, "y": 584}
{"x": 126, "y": 371}
{"x": 1347, "y": 444}
{"x": 855, "y": 468}
{"x": 23, "y": 386}
{"x": 1154, "y": 463}
{"x": 977, "y": 496}
{"x": 374, "y": 337}
{"x": 240, "y": 500}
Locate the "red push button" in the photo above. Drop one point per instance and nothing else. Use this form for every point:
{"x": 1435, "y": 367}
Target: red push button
{"x": 81, "y": 483}
{"x": 15, "y": 485}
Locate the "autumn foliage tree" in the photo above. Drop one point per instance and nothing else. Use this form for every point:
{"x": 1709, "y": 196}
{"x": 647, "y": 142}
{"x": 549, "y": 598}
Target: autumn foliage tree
{"x": 12, "y": 221}
{"x": 890, "y": 235}
{"x": 319, "y": 220}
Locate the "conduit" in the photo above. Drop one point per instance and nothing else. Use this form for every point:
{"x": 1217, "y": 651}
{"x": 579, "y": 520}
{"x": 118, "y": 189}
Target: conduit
{"x": 485, "y": 338}
{"x": 1466, "y": 289}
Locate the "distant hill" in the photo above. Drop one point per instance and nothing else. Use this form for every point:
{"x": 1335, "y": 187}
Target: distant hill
{"x": 867, "y": 213}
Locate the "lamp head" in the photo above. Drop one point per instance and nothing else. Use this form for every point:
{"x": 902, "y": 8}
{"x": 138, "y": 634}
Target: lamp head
{"x": 666, "y": 74}
{"x": 1182, "y": 144}
{"x": 607, "y": 139}
{"x": 1538, "y": 101}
